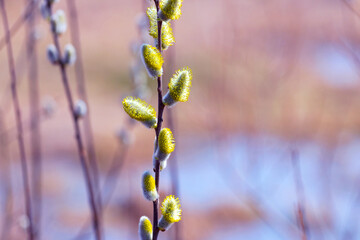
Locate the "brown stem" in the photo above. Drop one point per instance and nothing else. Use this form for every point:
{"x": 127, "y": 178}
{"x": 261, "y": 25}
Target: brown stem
{"x": 35, "y": 143}
{"x": 18, "y": 23}
{"x": 110, "y": 182}
{"x": 82, "y": 153}
{"x": 7, "y": 182}
{"x": 300, "y": 195}
{"x": 81, "y": 88}
{"x": 17, "y": 111}
{"x": 161, "y": 107}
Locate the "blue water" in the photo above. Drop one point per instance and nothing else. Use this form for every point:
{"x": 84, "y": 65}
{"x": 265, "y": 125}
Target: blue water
{"x": 230, "y": 173}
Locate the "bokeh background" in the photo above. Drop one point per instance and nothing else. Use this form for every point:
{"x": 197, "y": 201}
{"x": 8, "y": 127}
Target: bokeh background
{"x": 270, "y": 133}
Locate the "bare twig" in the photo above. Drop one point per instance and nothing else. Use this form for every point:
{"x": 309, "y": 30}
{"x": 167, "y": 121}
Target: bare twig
{"x": 350, "y": 7}
{"x": 18, "y": 23}
{"x": 300, "y": 195}
{"x": 35, "y": 143}
{"x": 111, "y": 180}
{"x": 6, "y": 180}
{"x": 17, "y": 111}
{"x": 96, "y": 221}
{"x": 81, "y": 89}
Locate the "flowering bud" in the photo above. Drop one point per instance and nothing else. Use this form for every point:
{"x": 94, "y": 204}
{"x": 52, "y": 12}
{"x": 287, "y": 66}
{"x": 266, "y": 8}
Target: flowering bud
{"x": 170, "y": 9}
{"x": 141, "y": 111}
{"x": 171, "y": 212}
{"x": 58, "y": 22}
{"x": 148, "y": 186}
{"x": 80, "y": 109}
{"x": 69, "y": 54}
{"x": 152, "y": 60}
{"x": 52, "y": 54}
{"x": 145, "y": 228}
{"x": 179, "y": 87}
{"x": 165, "y": 146}
{"x": 167, "y": 36}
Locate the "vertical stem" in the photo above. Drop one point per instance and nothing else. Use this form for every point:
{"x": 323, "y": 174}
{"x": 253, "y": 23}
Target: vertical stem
{"x": 19, "y": 126}
{"x": 161, "y": 107}
{"x": 300, "y": 194}
{"x": 81, "y": 88}
{"x": 6, "y": 180}
{"x": 18, "y": 23}
{"x": 35, "y": 143}
{"x": 82, "y": 152}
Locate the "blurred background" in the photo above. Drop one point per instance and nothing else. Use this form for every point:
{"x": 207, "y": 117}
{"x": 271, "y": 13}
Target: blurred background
{"x": 267, "y": 147}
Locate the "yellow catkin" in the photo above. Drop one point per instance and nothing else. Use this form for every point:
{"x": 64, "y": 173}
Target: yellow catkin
{"x": 166, "y": 141}
{"x": 179, "y": 85}
{"x": 170, "y": 9}
{"x": 152, "y": 60}
{"x": 141, "y": 111}
{"x": 170, "y": 209}
{"x": 167, "y": 36}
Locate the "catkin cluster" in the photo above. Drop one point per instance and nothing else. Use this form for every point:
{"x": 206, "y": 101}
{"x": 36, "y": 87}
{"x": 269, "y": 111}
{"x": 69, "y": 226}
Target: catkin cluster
{"x": 179, "y": 90}
{"x": 58, "y": 24}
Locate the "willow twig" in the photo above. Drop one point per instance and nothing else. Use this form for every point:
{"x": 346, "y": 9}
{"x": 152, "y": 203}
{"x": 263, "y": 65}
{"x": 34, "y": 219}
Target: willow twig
{"x": 110, "y": 181}
{"x": 81, "y": 89}
{"x": 17, "y": 111}
{"x": 18, "y": 23}
{"x": 300, "y": 195}
{"x": 34, "y": 100}
{"x": 161, "y": 107}
{"x": 79, "y": 140}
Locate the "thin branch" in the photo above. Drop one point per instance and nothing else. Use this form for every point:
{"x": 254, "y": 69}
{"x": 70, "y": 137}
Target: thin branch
{"x": 300, "y": 195}
{"x": 35, "y": 136}
{"x": 17, "y": 111}
{"x": 18, "y": 23}
{"x": 350, "y": 7}
{"x": 161, "y": 107}
{"x": 81, "y": 89}
{"x": 79, "y": 140}
{"x": 6, "y": 180}
{"x": 111, "y": 180}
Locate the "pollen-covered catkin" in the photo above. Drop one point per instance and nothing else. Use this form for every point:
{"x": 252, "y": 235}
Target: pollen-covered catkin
{"x": 152, "y": 60}
{"x": 171, "y": 212}
{"x": 167, "y": 36}
{"x": 170, "y": 9}
{"x": 179, "y": 87}
{"x": 141, "y": 111}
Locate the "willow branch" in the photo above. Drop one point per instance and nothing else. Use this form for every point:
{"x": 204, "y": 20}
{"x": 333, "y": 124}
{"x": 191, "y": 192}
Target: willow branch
{"x": 17, "y": 112}
{"x": 34, "y": 100}
{"x": 300, "y": 195}
{"x": 79, "y": 140}
{"x": 18, "y": 23}
{"x": 161, "y": 107}
{"x": 81, "y": 89}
